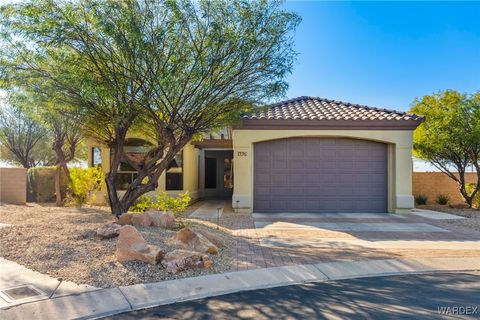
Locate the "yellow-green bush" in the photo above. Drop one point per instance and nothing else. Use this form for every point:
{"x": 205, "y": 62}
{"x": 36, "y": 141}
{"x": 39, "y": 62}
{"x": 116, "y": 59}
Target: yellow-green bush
{"x": 176, "y": 204}
{"x": 41, "y": 184}
{"x": 162, "y": 202}
{"x": 84, "y": 181}
{"x": 142, "y": 203}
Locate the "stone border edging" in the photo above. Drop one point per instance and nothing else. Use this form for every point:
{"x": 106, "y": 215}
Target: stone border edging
{"x": 105, "y": 302}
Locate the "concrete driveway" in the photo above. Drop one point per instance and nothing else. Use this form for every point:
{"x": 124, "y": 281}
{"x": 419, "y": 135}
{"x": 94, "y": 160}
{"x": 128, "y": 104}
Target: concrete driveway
{"x": 299, "y": 238}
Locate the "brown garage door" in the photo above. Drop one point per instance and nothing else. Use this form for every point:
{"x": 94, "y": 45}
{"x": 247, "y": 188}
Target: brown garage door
{"x": 320, "y": 175}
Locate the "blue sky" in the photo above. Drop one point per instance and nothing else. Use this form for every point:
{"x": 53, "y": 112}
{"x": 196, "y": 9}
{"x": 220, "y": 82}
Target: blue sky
{"x": 385, "y": 54}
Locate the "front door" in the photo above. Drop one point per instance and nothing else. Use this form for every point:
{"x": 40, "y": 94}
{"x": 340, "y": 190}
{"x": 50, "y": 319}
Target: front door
{"x": 218, "y": 182}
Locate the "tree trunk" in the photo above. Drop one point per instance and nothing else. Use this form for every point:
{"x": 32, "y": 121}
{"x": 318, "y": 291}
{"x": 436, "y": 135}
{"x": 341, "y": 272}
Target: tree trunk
{"x": 58, "y": 191}
{"x": 115, "y": 204}
{"x": 134, "y": 191}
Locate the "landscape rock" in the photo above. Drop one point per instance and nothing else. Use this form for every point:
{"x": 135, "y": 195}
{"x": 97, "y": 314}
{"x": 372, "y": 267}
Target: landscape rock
{"x": 180, "y": 260}
{"x": 141, "y": 220}
{"x": 125, "y": 219}
{"x": 213, "y": 238}
{"x": 86, "y": 234}
{"x": 161, "y": 219}
{"x": 189, "y": 240}
{"x": 132, "y": 246}
{"x": 107, "y": 231}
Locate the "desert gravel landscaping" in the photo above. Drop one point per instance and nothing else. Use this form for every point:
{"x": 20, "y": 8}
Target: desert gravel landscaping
{"x": 472, "y": 215}
{"x": 62, "y": 243}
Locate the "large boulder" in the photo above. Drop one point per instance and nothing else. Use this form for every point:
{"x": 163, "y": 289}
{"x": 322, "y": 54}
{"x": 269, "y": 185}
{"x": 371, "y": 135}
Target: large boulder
{"x": 180, "y": 260}
{"x": 189, "y": 240}
{"x": 161, "y": 219}
{"x": 213, "y": 238}
{"x": 107, "y": 231}
{"x": 125, "y": 219}
{"x": 141, "y": 220}
{"x": 132, "y": 246}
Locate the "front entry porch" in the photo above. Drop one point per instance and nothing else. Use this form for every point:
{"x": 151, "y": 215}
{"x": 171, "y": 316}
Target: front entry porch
{"x": 216, "y": 174}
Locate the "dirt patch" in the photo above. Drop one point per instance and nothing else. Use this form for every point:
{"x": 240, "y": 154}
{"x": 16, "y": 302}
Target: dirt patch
{"x": 61, "y": 242}
{"x": 472, "y": 215}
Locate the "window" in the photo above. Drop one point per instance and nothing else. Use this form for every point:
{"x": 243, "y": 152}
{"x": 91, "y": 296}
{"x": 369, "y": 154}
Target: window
{"x": 96, "y": 157}
{"x": 174, "y": 176}
{"x": 136, "y": 150}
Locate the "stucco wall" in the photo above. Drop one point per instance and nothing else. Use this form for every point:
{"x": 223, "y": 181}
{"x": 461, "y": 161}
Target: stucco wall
{"x": 399, "y": 161}
{"x": 13, "y": 185}
{"x": 432, "y": 184}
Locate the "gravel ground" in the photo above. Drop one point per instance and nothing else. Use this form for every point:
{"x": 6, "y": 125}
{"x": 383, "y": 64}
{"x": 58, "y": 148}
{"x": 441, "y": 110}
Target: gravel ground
{"x": 472, "y": 215}
{"x": 61, "y": 242}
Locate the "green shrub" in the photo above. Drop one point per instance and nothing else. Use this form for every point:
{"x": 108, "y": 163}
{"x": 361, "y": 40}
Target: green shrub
{"x": 41, "y": 184}
{"x": 176, "y": 204}
{"x": 83, "y": 184}
{"x": 421, "y": 199}
{"x": 142, "y": 203}
{"x": 443, "y": 199}
{"x": 476, "y": 200}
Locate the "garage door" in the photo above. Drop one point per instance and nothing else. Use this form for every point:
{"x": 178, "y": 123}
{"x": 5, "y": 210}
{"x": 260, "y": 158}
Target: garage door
{"x": 320, "y": 175}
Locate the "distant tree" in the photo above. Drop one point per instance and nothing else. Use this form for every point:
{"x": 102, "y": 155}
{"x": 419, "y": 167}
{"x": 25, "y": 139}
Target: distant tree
{"x": 167, "y": 69}
{"x": 450, "y": 136}
{"x": 24, "y": 141}
{"x": 63, "y": 128}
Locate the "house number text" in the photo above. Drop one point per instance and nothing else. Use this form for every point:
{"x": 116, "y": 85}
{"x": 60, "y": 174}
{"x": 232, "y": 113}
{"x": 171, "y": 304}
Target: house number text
{"x": 242, "y": 153}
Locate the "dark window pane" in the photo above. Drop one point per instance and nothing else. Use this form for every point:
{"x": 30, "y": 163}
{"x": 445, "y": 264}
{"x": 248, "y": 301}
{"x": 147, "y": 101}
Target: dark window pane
{"x": 210, "y": 173}
{"x": 174, "y": 175}
{"x": 124, "y": 179}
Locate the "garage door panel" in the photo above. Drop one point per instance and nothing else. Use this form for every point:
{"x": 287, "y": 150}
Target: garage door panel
{"x": 279, "y": 164}
{"x": 279, "y": 178}
{"x": 295, "y": 179}
{"x": 312, "y": 178}
{"x": 264, "y": 178}
{"x": 320, "y": 175}
{"x": 296, "y": 164}
{"x": 329, "y": 164}
{"x": 312, "y": 164}
{"x": 344, "y": 166}
{"x": 295, "y": 205}
{"x": 361, "y": 166}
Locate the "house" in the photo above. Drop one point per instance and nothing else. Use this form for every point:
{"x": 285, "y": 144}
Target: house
{"x": 301, "y": 155}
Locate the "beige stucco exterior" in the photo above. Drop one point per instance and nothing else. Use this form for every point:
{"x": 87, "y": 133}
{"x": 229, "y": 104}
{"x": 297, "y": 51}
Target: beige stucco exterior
{"x": 400, "y": 165}
{"x": 399, "y": 159}
{"x": 190, "y": 171}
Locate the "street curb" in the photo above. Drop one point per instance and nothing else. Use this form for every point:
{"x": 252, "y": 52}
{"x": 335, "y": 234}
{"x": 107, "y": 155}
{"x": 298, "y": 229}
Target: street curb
{"x": 94, "y": 305}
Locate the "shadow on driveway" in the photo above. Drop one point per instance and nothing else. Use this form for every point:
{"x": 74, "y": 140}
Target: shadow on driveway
{"x": 395, "y": 297}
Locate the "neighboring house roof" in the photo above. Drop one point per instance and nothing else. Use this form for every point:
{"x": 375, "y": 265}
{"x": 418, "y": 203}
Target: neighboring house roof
{"x": 319, "y": 112}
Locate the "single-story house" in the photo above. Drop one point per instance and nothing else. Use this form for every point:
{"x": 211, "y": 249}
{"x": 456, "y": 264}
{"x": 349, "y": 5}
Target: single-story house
{"x": 301, "y": 155}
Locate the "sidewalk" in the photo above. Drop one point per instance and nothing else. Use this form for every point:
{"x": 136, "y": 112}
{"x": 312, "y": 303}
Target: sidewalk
{"x": 103, "y": 302}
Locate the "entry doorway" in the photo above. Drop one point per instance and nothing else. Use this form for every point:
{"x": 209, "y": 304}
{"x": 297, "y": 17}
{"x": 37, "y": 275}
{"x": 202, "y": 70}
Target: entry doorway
{"x": 218, "y": 174}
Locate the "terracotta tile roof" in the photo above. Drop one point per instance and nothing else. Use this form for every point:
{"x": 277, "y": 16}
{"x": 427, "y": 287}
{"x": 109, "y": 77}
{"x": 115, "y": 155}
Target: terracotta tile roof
{"x": 313, "y": 108}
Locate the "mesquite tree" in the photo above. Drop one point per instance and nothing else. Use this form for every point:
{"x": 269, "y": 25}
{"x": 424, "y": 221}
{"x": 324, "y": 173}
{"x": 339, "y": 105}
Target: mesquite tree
{"x": 166, "y": 69}
{"x": 449, "y": 138}
{"x": 22, "y": 138}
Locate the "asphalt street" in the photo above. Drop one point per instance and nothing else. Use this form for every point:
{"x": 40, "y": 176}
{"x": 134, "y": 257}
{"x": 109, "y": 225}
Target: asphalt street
{"x": 432, "y": 296}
